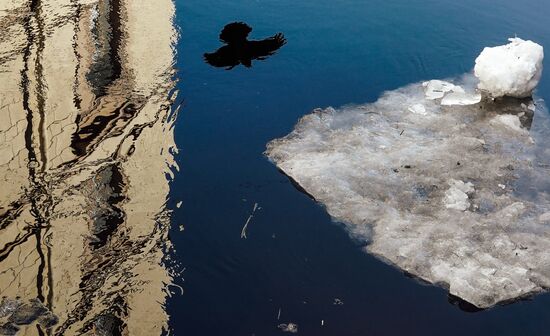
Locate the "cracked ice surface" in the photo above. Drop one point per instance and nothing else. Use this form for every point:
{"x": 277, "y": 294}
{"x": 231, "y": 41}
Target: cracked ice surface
{"x": 455, "y": 195}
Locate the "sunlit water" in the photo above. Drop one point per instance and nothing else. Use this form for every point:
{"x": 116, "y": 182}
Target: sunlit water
{"x": 92, "y": 200}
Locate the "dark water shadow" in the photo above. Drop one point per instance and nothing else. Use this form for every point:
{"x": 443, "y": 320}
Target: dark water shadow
{"x": 239, "y": 50}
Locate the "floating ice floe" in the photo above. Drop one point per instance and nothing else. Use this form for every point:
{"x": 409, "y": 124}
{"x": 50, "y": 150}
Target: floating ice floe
{"x": 512, "y": 70}
{"x": 457, "y": 195}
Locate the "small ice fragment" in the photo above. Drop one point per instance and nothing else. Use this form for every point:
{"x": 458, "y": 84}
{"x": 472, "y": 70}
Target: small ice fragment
{"x": 436, "y": 89}
{"x": 461, "y": 98}
{"x": 456, "y": 197}
{"x": 509, "y": 120}
{"x": 502, "y": 186}
{"x": 513, "y": 210}
{"x": 545, "y": 217}
{"x": 460, "y": 185}
{"x": 511, "y": 70}
{"x": 451, "y": 94}
{"x": 418, "y": 109}
{"x": 531, "y": 107}
{"x": 179, "y": 204}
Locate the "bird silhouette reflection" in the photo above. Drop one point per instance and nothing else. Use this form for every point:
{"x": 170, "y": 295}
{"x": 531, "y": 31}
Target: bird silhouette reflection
{"x": 239, "y": 50}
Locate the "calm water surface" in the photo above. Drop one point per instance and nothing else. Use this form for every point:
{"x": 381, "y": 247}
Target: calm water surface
{"x": 110, "y": 229}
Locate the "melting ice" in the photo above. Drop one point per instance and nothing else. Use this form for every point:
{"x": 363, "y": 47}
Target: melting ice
{"x": 446, "y": 185}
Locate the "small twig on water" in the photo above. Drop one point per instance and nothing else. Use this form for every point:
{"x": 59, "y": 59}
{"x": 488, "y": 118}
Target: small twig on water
{"x": 243, "y": 231}
{"x": 279, "y": 315}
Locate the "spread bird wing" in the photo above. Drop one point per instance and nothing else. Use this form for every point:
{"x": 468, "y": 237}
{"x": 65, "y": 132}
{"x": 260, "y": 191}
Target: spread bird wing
{"x": 266, "y": 46}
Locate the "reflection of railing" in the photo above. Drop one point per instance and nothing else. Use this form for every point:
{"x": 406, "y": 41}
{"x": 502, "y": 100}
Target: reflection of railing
{"x": 75, "y": 222}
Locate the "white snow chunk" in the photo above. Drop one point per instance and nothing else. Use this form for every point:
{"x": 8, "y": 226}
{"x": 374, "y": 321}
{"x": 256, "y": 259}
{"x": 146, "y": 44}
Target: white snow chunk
{"x": 418, "y": 109}
{"x": 456, "y": 197}
{"x": 512, "y": 70}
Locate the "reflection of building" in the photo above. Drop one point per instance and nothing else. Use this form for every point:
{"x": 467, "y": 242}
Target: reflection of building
{"x": 85, "y": 146}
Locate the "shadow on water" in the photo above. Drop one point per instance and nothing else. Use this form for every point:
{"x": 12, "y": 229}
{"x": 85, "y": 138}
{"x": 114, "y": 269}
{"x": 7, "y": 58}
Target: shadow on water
{"x": 239, "y": 50}
{"x": 86, "y": 108}
{"x": 465, "y": 306}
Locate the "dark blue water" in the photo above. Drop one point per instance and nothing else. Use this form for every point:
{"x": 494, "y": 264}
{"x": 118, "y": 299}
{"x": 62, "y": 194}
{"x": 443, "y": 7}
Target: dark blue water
{"x": 296, "y": 259}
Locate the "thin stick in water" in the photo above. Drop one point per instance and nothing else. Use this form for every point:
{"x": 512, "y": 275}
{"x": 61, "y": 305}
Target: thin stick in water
{"x": 243, "y": 231}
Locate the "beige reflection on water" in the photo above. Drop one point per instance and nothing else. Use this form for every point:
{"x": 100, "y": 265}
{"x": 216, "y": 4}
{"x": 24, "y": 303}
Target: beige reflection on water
{"x": 86, "y": 142}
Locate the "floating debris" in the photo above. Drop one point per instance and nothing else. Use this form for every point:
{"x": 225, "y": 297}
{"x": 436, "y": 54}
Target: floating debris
{"x": 288, "y": 327}
{"x": 243, "y": 231}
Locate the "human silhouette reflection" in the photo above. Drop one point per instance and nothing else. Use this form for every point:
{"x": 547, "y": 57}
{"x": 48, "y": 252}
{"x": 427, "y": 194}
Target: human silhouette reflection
{"x": 239, "y": 50}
